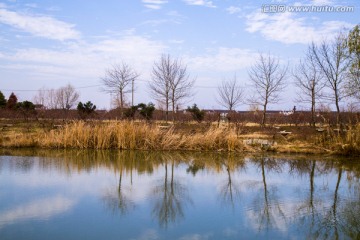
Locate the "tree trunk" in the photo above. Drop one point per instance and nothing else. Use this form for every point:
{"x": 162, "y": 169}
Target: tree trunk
{"x": 173, "y": 110}
{"x": 338, "y": 117}
{"x": 121, "y": 103}
{"x": 263, "y": 121}
{"x": 313, "y": 107}
{"x": 167, "y": 110}
{"x": 132, "y": 92}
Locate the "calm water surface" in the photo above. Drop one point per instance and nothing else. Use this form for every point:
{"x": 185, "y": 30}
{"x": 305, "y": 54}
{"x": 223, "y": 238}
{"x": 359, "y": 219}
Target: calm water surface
{"x": 143, "y": 195}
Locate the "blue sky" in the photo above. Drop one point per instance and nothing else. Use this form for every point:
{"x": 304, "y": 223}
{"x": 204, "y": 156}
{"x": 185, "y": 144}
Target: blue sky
{"x": 51, "y": 43}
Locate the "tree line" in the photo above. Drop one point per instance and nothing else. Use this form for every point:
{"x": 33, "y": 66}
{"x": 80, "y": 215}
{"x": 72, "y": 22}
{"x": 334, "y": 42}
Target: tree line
{"x": 328, "y": 72}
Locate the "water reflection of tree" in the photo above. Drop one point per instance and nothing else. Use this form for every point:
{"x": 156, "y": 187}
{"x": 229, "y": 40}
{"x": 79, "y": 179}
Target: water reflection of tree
{"x": 24, "y": 164}
{"x": 350, "y": 216}
{"x": 307, "y": 211}
{"x": 329, "y": 224}
{"x": 333, "y": 219}
{"x": 336, "y": 217}
{"x": 118, "y": 200}
{"x": 267, "y": 210}
{"x": 194, "y": 167}
{"x": 230, "y": 191}
{"x": 345, "y": 211}
{"x": 170, "y": 197}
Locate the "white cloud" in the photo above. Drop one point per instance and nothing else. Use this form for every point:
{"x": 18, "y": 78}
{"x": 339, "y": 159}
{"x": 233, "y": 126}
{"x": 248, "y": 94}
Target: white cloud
{"x": 223, "y": 60}
{"x": 149, "y": 234}
{"x": 204, "y": 3}
{"x": 31, "y": 5}
{"x": 288, "y": 28}
{"x": 175, "y": 14}
{"x": 41, "y": 26}
{"x": 230, "y": 232}
{"x": 172, "y": 17}
{"x": 175, "y": 41}
{"x": 275, "y": 219}
{"x": 233, "y": 10}
{"x": 322, "y": 2}
{"x": 132, "y": 47}
{"x": 155, "y": 22}
{"x": 154, "y": 4}
{"x": 155, "y": 7}
{"x": 197, "y": 236}
{"x": 39, "y": 209}
{"x": 154, "y": 1}
{"x": 73, "y": 61}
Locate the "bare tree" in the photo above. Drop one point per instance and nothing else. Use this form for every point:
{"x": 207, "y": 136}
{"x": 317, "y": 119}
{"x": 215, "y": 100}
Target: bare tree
{"x": 308, "y": 79}
{"x": 117, "y": 80}
{"x": 230, "y": 94}
{"x": 67, "y": 97}
{"x": 52, "y": 101}
{"x": 171, "y": 83}
{"x": 332, "y": 60}
{"x": 116, "y": 101}
{"x": 62, "y": 98}
{"x": 41, "y": 97}
{"x": 46, "y": 98}
{"x": 268, "y": 79}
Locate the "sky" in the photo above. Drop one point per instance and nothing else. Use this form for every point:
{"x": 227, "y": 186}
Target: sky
{"x": 48, "y": 44}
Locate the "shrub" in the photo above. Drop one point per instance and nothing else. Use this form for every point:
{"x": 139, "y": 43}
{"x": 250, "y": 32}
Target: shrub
{"x": 146, "y": 111}
{"x": 130, "y": 112}
{"x": 197, "y": 114}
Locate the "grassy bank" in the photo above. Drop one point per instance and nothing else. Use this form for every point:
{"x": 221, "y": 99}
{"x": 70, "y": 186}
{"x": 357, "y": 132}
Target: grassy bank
{"x": 125, "y": 135}
{"x": 186, "y": 137}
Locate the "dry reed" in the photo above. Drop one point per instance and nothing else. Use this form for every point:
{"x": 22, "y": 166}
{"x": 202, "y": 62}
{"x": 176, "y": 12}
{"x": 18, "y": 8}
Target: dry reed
{"x": 136, "y": 136}
{"x": 346, "y": 143}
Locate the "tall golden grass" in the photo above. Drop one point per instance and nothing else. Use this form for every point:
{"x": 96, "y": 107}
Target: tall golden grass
{"x": 347, "y": 143}
{"x": 127, "y": 135}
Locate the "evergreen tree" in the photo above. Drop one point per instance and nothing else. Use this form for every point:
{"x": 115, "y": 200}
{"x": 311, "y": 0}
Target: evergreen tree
{"x": 86, "y": 109}
{"x": 197, "y": 114}
{"x": 2, "y": 100}
{"x": 12, "y": 101}
{"x": 25, "y": 105}
{"x": 146, "y": 111}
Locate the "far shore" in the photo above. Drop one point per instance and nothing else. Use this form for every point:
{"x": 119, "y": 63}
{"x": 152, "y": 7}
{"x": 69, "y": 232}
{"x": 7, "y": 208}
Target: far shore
{"x": 185, "y": 136}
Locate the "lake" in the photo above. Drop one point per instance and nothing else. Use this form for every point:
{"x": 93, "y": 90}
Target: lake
{"x": 185, "y": 196}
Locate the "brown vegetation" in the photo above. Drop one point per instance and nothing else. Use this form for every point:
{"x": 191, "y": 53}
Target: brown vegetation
{"x": 124, "y": 135}
{"x": 345, "y": 142}
{"x": 132, "y": 135}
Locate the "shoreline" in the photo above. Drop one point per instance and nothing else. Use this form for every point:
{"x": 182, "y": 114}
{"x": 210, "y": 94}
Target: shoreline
{"x": 194, "y": 137}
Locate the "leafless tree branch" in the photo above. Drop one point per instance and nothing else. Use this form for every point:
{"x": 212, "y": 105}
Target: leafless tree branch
{"x": 118, "y": 79}
{"x": 171, "y": 83}
{"x": 333, "y": 62}
{"x": 268, "y": 79}
{"x": 230, "y": 94}
{"x": 309, "y": 81}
